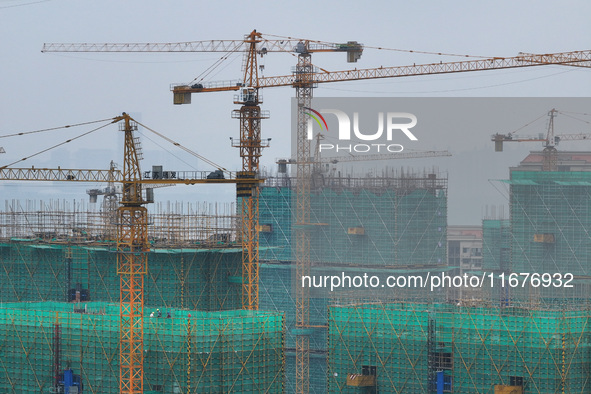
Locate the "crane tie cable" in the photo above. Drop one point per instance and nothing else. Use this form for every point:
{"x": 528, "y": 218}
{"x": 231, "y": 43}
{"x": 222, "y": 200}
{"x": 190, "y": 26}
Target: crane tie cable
{"x": 576, "y": 113}
{"x": 216, "y": 64}
{"x": 55, "y": 146}
{"x": 382, "y": 48}
{"x": 183, "y": 148}
{"x": 426, "y": 52}
{"x": 163, "y": 148}
{"x": 574, "y": 117}
{"x": 54, "y": 128}
{"x": 527, "y": 124}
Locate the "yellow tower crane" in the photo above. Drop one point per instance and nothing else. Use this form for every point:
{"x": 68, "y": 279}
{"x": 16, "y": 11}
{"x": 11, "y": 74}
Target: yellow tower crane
{"x": 305, "y": 77}
{"x": 132, "y": 240}
{"x": 249, "y": 115}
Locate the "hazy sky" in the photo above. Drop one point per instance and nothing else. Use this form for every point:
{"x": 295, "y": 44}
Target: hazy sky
{"x": 48, "y": 90}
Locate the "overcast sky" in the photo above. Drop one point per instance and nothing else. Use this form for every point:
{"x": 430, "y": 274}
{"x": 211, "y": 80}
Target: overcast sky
{"x": 49, "y": 90}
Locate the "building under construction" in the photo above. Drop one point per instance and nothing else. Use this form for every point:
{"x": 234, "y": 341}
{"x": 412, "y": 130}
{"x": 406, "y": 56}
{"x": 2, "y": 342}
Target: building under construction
{"x": 423, "y": 348}
{"x": 60, "y": 252}
{"x": 59, "y": 330}
{"x": 529, "y": 335}
{"x": 393, "y": 222}
{"x": 547, "y": 232}
{"x": 59, "y": 289}
{"x": 394, "y": 219}
{"x": 186, "y": 352}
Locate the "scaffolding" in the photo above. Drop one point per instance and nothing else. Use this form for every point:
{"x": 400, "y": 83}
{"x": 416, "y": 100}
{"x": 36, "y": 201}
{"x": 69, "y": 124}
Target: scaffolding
{"x": 276, "y": 294}
{"x": 231, "y": 351}
{"x": 63, "y": 251}
{"x": 397, "y": 219}
{"x": 551, "y": 221}
{"x": 275, "y": 221}
{"x": 496, "y": 245}
{"x": 551, "y": 234}
{"x": 170, "y": 225}
{"x": 420, "y": 348}
{"x": 201, "y": 279}
{"x": 389, "y": 223}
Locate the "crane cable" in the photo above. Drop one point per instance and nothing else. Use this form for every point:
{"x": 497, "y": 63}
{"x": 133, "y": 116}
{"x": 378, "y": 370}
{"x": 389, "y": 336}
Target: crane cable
{"x": 96, "y": 129}
{"x": 54, "y": 128}
{"x": 183, "y": 148}
{"x": 385, "y": 49}
{"x": 528, "y": 124}
{"x": 575, "y": 113}
{"x": 216, "y": 64}
{"x": 427, "y": 52}
{"x": 164, "y": 149}
{"x": 57, "y": 145}
{"x": 545, "y": 114}
{"x": 567, "y": 114}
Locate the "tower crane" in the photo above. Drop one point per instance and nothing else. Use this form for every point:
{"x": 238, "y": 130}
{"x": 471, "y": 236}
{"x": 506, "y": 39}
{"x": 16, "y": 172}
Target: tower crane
{"x": 305, "y": 77}
{"x": 132, "y": 239}
{"x": 110, "y": 192}
{"x": 110, "y": 199}
{"x": 249, "y": 116}
{"x": 550, "y": 141}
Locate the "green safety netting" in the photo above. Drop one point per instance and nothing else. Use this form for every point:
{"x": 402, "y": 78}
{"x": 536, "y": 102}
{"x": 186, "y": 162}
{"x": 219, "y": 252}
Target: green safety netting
{"x": 211, "y": 352}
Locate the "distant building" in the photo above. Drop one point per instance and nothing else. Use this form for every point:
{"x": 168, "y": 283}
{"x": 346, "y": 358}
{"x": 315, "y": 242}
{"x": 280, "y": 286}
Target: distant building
{"x": 464, "y": 247}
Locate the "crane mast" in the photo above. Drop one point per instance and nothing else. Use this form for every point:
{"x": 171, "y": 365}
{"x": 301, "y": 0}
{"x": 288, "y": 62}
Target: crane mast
{"x": 250, "y": 146}
{"x": 132, "y": 258}
{"x": 303, "y": 74}
{"x": 550, "y": 153}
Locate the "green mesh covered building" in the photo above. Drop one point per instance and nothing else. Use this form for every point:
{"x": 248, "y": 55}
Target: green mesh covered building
{"x": 397, "y": 220}
{"x": 200, "y": 279}
{"x": 230, "y": 351}
{"x": 551, "y": 221}
{"x": 410, "y": 347}
{"x": 390, "y": 224}
{"x": 550, "y": 225}
{"x": 275, "y": 294}
{"x": 496, "y": 244}
{"x": 191, "y": 352}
